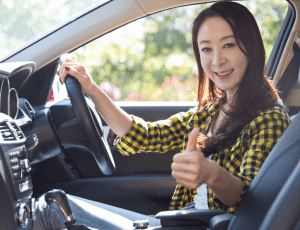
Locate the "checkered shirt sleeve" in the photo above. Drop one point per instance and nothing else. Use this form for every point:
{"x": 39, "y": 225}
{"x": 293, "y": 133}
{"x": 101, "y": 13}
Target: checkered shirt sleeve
{"x": 159, "y": 136}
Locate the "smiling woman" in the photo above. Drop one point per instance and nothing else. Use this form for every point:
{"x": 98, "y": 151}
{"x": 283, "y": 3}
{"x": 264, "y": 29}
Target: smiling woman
{"x": 232, "y": 61}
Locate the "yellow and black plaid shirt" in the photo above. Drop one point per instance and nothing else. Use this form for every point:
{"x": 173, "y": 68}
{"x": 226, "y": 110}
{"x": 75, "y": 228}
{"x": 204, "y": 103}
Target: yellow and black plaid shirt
{"x": 243, "y": 159}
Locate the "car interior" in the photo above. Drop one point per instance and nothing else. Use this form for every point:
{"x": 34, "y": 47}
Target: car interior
{"x": 66, "y": 145}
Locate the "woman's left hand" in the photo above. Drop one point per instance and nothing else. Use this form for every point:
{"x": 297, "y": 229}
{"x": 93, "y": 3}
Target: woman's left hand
{"x": 191, "y": 168}
{"x": 78, "y": 70}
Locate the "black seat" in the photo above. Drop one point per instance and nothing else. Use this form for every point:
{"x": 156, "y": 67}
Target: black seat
{"x": 264, "y": 188}
{"x": 285, "y": 210}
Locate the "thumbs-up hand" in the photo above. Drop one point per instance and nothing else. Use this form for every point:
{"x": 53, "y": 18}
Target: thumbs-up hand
{"x": 191, "y": 168}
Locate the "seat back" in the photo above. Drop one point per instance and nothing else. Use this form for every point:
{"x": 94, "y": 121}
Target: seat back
{"x": 269, "y": 180}
{"x": 285, "y": 212}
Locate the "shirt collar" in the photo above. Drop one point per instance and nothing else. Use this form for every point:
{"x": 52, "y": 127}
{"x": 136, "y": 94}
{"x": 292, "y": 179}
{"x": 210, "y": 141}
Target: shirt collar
{"x": 212, "y": 108}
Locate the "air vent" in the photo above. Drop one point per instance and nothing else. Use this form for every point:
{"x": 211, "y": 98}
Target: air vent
{"x": 29, "y": 109}
{"x": 18, "y": 131}
{"x": 6, "y": 133}
{"x": 10, "y": 132}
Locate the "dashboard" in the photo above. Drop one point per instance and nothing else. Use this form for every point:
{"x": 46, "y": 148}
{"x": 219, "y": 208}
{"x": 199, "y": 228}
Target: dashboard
{"x": 17, "y": 205}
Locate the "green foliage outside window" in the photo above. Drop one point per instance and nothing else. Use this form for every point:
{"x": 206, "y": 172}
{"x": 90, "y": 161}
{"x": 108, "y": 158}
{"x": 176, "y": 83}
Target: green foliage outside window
{"x": 152, "y": 59}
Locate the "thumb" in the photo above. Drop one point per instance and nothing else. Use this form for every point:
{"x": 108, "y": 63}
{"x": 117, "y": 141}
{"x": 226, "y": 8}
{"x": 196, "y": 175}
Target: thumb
{"x": 191, "y": 145}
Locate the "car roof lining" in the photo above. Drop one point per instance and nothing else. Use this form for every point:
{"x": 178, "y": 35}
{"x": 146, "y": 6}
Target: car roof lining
{"x": 154, "y": 6}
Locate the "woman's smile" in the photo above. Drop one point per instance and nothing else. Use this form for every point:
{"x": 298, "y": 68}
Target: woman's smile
{"x": 224, "y": 74}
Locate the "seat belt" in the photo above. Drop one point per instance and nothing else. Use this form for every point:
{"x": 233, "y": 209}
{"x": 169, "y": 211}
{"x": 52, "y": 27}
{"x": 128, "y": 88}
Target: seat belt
{"x": 290, "y": 74}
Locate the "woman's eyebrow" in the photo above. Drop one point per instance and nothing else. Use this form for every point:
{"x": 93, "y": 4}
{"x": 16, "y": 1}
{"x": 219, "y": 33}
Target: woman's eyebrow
{"x": 221, "y": 39}
{"x": 226, "y": 37}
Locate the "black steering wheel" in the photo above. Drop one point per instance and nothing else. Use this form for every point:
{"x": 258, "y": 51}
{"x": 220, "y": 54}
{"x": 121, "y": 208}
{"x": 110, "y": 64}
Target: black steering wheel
{"x": 89, "y": 124}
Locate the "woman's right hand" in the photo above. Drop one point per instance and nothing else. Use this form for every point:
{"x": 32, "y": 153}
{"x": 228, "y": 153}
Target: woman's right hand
{"x": 116, "y": 118}
{"x": 78, "y": 70}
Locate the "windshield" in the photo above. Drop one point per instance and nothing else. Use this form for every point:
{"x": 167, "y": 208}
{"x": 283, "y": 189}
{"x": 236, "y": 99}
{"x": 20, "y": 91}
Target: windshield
{"x": 22, "y": 22}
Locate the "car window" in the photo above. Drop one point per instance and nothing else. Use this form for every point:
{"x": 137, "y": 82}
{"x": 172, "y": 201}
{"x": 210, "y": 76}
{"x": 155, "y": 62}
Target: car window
{"x": 151, "y": 59}
{"x": 22, "y": 22}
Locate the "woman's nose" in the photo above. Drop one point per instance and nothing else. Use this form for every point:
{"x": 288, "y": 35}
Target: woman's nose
{"x": 218, "y": 58}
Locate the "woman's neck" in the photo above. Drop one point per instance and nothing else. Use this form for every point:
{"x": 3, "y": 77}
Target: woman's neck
{"x": 221, "y": 117}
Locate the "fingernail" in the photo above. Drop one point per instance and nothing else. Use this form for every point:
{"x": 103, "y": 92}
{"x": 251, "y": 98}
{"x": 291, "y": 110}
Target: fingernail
{"x": 67, "y": 68}
{"x": 57, "y": 72}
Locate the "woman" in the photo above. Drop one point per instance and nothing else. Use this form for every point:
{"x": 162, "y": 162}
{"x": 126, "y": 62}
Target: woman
{"x": 226, "y": 139}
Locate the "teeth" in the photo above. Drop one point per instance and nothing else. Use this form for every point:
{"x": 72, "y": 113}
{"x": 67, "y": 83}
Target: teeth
{"x": 226, "y": 73}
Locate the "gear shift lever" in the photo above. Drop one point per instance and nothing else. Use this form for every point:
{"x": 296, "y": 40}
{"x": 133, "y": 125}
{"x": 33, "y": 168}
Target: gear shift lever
{"x": 59, "y": 198}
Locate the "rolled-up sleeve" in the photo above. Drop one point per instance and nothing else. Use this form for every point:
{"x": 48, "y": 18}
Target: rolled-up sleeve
{"x": 264, "y": 132}
{"x": 159, "y": 136}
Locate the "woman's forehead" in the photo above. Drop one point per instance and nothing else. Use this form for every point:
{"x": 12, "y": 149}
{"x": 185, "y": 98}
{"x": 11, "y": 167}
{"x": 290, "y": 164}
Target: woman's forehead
{"x": 214, "y": 28}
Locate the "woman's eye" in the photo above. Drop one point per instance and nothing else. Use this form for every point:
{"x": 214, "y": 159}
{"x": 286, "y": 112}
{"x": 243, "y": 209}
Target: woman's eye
{"x": 229, "y": 45}
{"x": 205, "y": 49}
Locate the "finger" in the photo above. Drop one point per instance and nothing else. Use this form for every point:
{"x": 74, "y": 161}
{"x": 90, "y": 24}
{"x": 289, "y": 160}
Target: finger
{"x": 80, "y": 68}
{"x": 192, "y": 142}
{"x": 73, "y": 72}
{"x": 69, "y": 59}
{"x": 64, "y": 64}
{"x": 186, "y": 168}
{"x": 186, "y": 179}
{"x": 187, "y": 158}
{"x": 75, "y": 65}
{"x": 181, "y": 176}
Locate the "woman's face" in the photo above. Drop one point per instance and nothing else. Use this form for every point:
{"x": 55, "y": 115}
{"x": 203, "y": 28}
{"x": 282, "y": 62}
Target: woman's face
{"x": 221, "y": 58}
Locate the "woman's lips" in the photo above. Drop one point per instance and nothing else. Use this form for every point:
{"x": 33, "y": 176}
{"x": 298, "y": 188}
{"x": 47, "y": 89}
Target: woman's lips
{"x": 224, "y": 74}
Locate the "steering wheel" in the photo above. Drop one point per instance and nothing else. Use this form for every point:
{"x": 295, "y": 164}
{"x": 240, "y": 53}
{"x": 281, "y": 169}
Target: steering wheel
{"x": 89, "y": 124}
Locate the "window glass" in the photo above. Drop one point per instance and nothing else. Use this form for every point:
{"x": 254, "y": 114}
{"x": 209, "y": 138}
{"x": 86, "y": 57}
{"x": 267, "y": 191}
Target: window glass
{"x": 151, "y": 59}
{"x": 22, "y": 22}
{"x": 147, "y": 60}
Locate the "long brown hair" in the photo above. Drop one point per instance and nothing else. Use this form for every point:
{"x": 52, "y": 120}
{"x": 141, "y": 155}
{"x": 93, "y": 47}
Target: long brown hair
{"x": 255, "y": 92}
